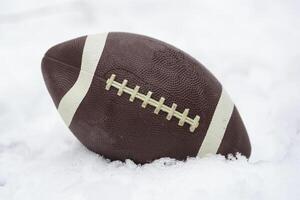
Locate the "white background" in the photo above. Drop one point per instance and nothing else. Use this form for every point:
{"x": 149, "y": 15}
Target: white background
{"x": 251, "y": 46}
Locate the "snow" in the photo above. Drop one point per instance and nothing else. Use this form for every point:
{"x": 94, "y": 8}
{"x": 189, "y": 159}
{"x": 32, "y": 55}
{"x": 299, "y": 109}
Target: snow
{"x": 251, "y": 46}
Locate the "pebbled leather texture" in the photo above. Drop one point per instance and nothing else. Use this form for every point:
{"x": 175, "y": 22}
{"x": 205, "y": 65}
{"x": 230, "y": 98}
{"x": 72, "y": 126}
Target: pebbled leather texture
{"x": 118, "y": 129}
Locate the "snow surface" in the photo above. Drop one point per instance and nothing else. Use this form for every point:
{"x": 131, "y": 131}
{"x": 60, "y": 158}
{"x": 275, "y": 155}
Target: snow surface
{"x": 251, "y": 46}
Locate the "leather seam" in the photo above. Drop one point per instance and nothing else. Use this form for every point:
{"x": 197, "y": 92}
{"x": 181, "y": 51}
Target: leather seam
{"x": 73, "y": 67}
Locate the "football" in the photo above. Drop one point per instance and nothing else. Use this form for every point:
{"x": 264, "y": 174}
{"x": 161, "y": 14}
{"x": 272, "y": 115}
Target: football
{"x": 129, "y": 96}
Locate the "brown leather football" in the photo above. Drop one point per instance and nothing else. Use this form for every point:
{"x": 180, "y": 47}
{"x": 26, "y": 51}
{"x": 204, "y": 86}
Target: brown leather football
{"x": 128, "y": 96}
